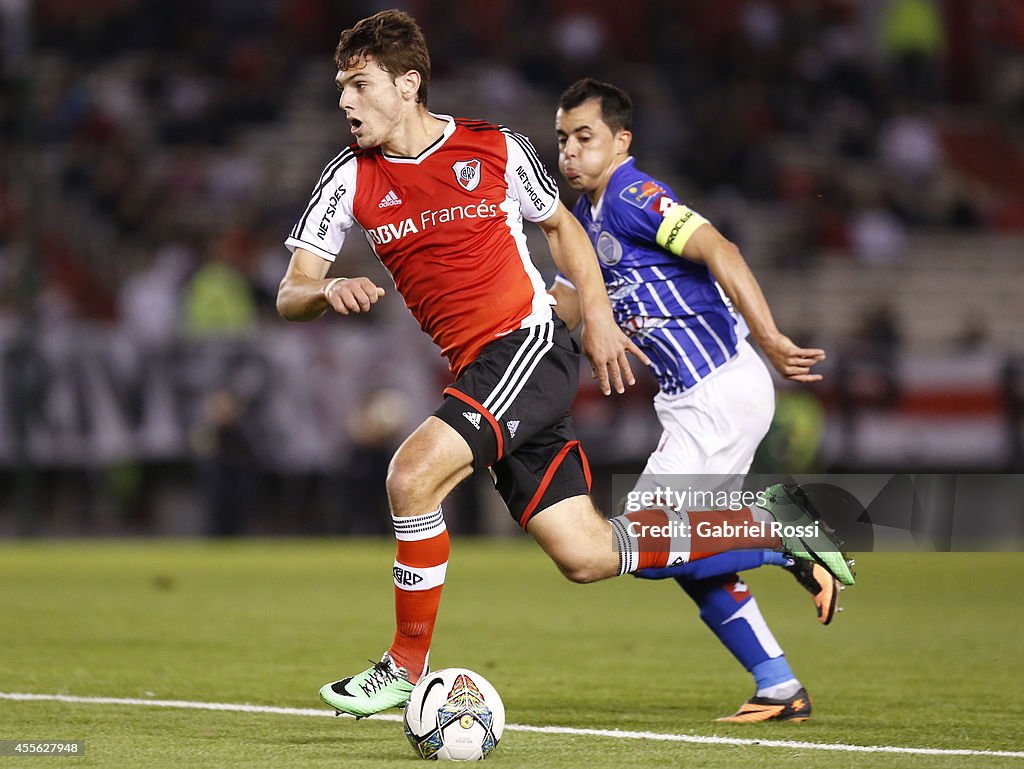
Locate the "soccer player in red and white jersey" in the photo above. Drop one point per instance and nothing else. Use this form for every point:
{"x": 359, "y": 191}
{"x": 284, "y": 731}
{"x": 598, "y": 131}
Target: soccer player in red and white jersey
{"x": 442, "y": 202}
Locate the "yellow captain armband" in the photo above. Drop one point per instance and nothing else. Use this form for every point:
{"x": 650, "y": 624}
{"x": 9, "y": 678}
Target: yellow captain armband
{"x": 680, "y": 223}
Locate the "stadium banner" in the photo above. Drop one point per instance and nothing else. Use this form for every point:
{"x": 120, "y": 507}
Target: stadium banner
{"x": 896, "y": 512}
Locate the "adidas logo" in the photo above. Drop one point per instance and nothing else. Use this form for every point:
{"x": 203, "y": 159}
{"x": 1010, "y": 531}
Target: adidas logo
{"x": 512, "y": 425}
{"x": 473, "y": 417}
{"x": 391, "y": 199}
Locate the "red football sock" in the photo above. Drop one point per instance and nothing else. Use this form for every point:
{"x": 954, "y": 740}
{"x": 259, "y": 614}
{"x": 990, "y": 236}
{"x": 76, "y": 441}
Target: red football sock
{"x": 420, "y": 565}
{"x": 645, "y": 538}
{"x": 707, "y": 536}
{"x": 654, "y": 541}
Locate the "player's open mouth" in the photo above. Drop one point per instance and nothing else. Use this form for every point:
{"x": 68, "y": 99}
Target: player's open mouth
{"x": 355, "y": 124}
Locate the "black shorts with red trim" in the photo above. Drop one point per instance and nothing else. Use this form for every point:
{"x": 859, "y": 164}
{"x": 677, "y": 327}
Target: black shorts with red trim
{"x": 511, "y": 405}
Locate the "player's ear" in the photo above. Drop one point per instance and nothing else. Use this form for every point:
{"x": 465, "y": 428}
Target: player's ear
{"x": 622, "y": 141}
{"x": 409, "y": 84}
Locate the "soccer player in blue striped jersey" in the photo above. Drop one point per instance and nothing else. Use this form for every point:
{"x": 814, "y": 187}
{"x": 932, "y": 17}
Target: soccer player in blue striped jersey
{"x": 686, "y": 296}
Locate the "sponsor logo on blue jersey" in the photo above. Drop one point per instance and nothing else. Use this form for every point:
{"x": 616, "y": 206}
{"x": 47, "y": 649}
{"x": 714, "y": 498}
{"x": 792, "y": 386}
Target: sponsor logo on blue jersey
{"x": 641, "y": 194}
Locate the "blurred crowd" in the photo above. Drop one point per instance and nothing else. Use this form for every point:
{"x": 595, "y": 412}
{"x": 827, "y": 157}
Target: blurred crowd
{"x": 857, "y": 116}
{"x": 134, "y": 192}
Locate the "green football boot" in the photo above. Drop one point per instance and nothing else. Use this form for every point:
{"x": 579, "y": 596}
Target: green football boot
{"x": 815, "y": 540}
{"x": 383, "y": 686}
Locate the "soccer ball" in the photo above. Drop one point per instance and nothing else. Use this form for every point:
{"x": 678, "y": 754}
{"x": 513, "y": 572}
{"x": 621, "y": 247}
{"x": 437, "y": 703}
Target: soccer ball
{"x": 454, "y": 715}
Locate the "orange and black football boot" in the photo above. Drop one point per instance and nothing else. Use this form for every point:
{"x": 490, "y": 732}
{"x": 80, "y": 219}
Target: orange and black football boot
{"x": 757, "y": 709}
{"x": 823, "y": 587}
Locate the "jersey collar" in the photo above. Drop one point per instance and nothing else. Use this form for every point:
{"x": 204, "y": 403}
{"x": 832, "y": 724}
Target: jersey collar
{"x": 449, "y": 129}
{"x": 595, "y": 210}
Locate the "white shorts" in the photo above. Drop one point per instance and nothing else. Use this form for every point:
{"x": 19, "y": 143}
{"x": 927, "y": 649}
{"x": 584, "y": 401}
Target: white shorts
{"x": 715, "y": 427}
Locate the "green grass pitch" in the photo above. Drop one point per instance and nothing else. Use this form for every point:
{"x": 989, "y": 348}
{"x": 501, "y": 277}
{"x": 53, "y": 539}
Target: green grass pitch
{"x": 928, "y": 654}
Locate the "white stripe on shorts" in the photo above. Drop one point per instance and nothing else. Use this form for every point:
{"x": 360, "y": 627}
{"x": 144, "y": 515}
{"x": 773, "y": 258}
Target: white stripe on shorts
{"x": 536, "y": 345}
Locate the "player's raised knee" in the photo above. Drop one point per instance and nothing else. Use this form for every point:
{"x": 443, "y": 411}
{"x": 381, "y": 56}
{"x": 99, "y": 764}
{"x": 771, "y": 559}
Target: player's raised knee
{"x": 411, "y": 483}
{"x": 583, "y": 573}
{"x": 583, "y": 568}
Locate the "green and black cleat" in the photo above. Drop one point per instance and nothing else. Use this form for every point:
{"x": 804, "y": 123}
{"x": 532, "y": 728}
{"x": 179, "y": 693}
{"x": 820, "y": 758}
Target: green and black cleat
{"x": 804, "y": 534}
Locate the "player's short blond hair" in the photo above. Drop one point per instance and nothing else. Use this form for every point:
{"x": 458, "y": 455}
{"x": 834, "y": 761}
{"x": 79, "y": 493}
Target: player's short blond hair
{"x": 394, "y": 40}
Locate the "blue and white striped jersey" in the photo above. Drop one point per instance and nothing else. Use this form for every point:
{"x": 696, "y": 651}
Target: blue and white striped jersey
{"x": 672, "y": 308}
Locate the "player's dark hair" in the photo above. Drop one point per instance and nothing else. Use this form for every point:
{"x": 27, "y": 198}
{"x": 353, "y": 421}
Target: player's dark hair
{"x": 394, "y": 39}
{"x": 616, "y": 106}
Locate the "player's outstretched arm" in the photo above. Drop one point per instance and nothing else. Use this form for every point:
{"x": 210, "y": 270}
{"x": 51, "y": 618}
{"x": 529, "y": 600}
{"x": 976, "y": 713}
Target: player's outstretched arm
{"x": 603, "y": 341}
{"x": 730, "y": 269}
{"x": 305, "y": 293}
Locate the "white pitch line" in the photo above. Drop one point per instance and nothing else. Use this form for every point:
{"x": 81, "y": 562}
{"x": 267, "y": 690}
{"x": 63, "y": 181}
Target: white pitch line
{"x": 609, "y": 733}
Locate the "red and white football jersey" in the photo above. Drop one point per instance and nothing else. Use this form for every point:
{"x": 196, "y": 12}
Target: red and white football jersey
{"x": 448, "y": 226}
